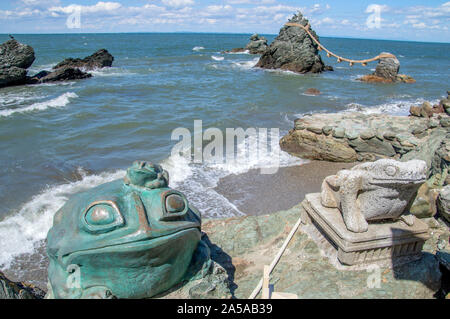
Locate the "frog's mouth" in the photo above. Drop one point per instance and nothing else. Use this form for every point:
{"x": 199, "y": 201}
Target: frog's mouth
{"x": 403, "y": 181}
{"x": 140, "y": 245}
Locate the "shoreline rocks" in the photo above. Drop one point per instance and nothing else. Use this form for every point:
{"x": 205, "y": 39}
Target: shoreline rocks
{"x": 18, "y": 290}
{"x": 387, "y": 71}
{"x": 293, "y": 50}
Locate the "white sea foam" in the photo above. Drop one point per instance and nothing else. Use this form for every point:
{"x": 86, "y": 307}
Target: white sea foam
{"x": 240, "y": 52}
{"x": 59, "y": 101}
{"x": 111, "y": 71}
{"x": 20, "y": 232}
{"x": 198, "y": 181}
{"x": 396, "y": 107}
{"x": 217, "y": 58}
{"x": 197, "y": 48}
{"x": 246, "y": 65}
{"x": 16, "y": 98}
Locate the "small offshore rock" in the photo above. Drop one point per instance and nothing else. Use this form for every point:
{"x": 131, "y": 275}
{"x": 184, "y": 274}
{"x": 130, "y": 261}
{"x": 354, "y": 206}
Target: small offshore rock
{"x": 61, "y": 74}
{"x": 312, "y": 91}
{"x": 257, "y": 44}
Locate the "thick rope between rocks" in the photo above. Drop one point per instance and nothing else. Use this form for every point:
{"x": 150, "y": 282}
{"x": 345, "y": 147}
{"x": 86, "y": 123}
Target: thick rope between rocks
{"x": 339, "y": 58}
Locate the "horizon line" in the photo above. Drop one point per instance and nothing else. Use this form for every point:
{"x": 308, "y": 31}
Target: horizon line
{"x": 201, "y": 32}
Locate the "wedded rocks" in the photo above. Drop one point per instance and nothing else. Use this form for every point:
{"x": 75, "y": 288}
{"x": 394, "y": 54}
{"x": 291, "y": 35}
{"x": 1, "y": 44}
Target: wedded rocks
{"x": 100, "y": 59}
{"x": 293, "y": 50}
{"x": 12, "y": 76}
{"x": 387, "y": 71}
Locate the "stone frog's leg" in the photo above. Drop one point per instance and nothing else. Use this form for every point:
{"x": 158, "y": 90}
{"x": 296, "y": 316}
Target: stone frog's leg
{"x": 330, "y": 187}
{"x": 408, "y": 219}
{"x": 351, "y": 184}
{"x": 98, "y": 292}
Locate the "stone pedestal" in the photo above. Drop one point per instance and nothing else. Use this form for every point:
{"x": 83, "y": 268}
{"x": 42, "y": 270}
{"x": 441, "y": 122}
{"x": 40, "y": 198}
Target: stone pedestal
{"x": 386, "y": 240}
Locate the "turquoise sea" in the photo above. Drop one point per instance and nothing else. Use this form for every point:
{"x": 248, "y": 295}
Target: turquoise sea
{"x": 59, "y": 139}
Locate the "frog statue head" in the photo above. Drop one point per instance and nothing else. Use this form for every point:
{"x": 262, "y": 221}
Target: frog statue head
{"x": 127, "y": 239}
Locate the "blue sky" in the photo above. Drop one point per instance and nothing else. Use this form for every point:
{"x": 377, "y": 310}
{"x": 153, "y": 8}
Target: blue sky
{"x": 415, "y": 20}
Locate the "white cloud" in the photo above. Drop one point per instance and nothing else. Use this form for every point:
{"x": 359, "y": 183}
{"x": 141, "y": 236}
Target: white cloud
{"x": 178, "y": 3}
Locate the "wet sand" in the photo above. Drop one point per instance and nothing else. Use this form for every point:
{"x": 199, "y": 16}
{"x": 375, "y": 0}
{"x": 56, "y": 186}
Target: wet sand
{"x": 254, "y": 193}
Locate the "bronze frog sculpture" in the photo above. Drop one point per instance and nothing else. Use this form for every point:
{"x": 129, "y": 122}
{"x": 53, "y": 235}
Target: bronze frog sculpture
{"x": 126, "y": 239}
{"x": 384, "y": 189}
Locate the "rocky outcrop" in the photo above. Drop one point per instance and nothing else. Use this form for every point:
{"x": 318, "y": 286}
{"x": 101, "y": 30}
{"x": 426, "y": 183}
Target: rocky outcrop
{"x": 18, "y": 290}
{"x": 100, "y": 59}
{"x": 427, "y": 110}
{"x": 293, "y": 50}
{"x": 243, "y": 245}
{"x": 387, "y": 71}
{"x": 347, "y": 137}
{"x": 15, "y": 58}
{"x": 257, "y": 45}
{"x": 444, "y": 203}
{"x": 61, "y": 74}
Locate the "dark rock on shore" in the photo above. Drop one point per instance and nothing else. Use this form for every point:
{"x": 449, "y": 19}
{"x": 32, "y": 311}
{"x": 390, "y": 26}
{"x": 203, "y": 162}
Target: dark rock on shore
{"x": 293, "y": 50}
{"x": 15, "y": 58}
{"x": 61, "y": 74}
{"x": 100, "y": 59}
{"x": 387, "y": 71}
{"x": 18, "y": 290}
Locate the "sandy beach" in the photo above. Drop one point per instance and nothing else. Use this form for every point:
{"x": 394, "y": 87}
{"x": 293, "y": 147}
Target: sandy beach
{"x": 257, "y": 194}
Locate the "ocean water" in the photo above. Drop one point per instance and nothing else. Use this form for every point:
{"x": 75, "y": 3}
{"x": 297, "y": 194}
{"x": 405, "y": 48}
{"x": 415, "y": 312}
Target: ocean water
{"x": 59, "y": 139}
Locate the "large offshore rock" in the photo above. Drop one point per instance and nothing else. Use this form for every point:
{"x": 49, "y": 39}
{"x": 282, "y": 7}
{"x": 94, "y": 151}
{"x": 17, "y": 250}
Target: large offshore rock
{"x": 18, "y": 290}
{"x": 16, "y": 54}
{"x": 293, "y": 50}
{"x": 248, "y": 243}
{"x": 12, "y": 76}
{"x": 15, "y": 58}
{"x": 100, "y": 59}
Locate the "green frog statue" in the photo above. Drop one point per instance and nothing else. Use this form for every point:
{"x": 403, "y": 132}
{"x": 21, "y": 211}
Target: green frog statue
{"x": 125, "y": 239}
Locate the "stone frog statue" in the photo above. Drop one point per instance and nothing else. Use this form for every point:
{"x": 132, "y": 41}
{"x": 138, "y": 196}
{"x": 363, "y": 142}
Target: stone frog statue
{"x": 384, "y": 189}
{"x": 126, "y": 239}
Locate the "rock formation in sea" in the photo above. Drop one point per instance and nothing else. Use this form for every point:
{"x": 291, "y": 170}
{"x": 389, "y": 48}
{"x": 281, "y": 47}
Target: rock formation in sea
{"x": 15, "y": 58}
{"x": 257, "y": 45}
{"x": 293, "y": 50}
{"x": 100, "y": 59}
{"x": 387, "y": 71}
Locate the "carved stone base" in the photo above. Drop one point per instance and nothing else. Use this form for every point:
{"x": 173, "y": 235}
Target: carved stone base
{"x": 388, "y": 240}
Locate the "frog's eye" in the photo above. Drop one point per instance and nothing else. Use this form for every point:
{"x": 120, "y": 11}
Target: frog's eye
{"x": 175, "y": 205}
{"x": 390, "y": 170}
{"x": 101, "y": 217}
